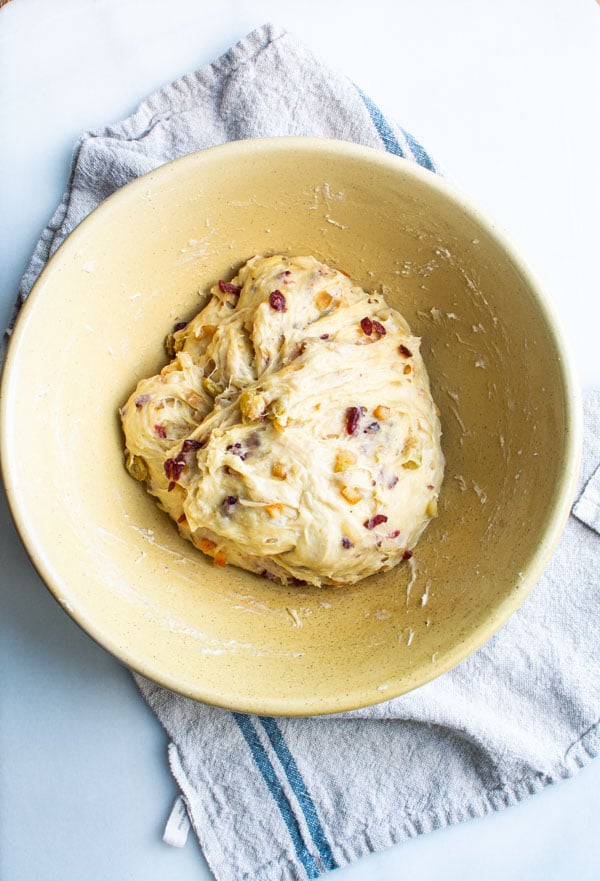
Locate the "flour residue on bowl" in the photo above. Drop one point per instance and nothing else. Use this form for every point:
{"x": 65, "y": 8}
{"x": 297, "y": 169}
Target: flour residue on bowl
{"x": 324, "y": 199}
{"x": 483, "y": 344}
{"x": 196, "y": 249}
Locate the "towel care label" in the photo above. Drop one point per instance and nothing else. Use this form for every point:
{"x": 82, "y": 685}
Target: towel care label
{"x": 178, "y": 824}
{"x": 587, "y": 508}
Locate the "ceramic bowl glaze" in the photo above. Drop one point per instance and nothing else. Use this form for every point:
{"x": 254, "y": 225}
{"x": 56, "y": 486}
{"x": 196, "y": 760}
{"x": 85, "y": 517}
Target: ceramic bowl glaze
{"x": 95, "y": 324}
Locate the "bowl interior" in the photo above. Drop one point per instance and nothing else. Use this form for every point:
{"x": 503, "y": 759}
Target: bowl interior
{"x": 95, "y": 324}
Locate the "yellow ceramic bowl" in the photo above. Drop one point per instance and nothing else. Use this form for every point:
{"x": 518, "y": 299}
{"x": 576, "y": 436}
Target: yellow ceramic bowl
{"x": 95, "y": 324}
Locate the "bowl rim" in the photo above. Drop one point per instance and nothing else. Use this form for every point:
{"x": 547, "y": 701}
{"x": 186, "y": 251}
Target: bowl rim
{"x": 564, "y": 491}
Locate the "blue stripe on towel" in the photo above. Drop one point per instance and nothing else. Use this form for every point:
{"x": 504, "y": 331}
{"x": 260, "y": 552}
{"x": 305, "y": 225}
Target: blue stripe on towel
{"x": 274, "y": 786}
{"x": 418, "y": 151}
{"x": 386, "y": 133}
{"x": 384, "y": 129}
{"x": 298, "y": 785}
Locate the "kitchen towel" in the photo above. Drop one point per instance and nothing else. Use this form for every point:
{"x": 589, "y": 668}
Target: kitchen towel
{"x": 273, "y": 799}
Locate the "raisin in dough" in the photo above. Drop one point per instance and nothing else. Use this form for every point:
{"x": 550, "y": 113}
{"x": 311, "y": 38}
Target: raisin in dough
{"x": 293, "y": 433}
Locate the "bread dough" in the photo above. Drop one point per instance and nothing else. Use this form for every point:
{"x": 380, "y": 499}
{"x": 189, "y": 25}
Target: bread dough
{"x": 293, "y": 433}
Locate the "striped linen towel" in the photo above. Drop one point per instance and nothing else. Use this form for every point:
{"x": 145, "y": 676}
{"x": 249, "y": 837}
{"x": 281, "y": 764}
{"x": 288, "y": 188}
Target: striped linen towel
{"x": 290, "y": 799}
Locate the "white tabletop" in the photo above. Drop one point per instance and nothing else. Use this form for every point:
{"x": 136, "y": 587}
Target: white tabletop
{"x": 505, "y": 95}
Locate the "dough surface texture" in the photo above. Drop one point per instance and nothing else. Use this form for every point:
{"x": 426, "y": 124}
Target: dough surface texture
{"x": 294, "y": 433}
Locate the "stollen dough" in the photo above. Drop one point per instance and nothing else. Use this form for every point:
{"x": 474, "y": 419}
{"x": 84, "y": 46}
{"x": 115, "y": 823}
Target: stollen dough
{"x": 293, "y": 433}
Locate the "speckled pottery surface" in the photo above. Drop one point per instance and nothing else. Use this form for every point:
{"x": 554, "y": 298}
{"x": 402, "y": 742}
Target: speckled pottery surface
{"x": 95, "y": 324}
